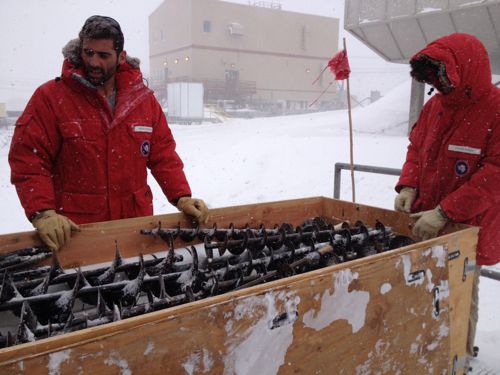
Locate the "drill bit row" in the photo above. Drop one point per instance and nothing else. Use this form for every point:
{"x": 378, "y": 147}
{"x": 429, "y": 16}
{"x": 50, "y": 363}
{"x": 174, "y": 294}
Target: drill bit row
{"x": 349, "y": 240}
{"x": 50, "y": 300}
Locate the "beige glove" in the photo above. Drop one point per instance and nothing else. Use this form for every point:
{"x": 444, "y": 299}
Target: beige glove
{"x": 195, "y": 208}
{"x": 405, "y": 199}
{"x": 342, "y": 225}
{"x": 54, "y": 229}
{"x": 429, "y": 223}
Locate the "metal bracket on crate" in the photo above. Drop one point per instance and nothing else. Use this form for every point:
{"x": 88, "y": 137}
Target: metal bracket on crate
{"x": 458, "y": 363}
{"x": 415, "y": 276}
{"x": 468, "y": 268}
{"x": 454, "y": 255}
{"x": 435, "y": 302}
{"x": 283, "y": 319}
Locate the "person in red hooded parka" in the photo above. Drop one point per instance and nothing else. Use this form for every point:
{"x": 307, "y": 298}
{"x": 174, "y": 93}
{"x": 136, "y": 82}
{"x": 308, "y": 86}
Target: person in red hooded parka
{"x": 452, "y": 167}
{"x": 82, "y": 146}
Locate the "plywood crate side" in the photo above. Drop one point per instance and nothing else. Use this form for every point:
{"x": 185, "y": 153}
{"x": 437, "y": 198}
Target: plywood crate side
{"x": 348, "y": 315}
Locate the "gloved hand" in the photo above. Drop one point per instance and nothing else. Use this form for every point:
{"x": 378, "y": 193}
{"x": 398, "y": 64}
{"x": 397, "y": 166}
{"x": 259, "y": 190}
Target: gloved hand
{"x": 405, "y": 199}
{"x": 342, "y": 225}
{"x": 54, "y": 229}
{"x": 195, "y": 208}
{"x": 429, "y": 223}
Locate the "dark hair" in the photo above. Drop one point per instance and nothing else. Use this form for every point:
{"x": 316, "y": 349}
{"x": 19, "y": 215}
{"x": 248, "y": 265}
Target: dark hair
{"x": 102, "y": 27}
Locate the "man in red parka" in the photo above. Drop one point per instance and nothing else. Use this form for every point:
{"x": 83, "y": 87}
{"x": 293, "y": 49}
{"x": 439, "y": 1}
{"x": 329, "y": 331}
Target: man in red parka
{"x": 452, "y": 168}
{"x": 82, "y": 146}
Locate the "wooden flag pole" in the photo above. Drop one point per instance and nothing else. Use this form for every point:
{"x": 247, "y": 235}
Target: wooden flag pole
{"x": 351, "y": 148}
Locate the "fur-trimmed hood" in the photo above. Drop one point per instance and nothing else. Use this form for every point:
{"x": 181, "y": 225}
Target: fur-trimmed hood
{"x": 71, "y": 51}
{"x": 467, "y": 67}
{"x": 128, "y": 75}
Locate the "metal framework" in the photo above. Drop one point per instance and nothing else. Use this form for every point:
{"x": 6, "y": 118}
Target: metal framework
{"x": 360, "y": 168}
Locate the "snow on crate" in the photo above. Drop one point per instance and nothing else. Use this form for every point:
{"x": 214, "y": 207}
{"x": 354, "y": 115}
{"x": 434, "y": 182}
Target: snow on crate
{"x": 342, "y": 304}
{"x": 271, "y": 332}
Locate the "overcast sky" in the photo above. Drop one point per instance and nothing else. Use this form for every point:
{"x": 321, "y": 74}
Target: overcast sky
{"x": 34, "y": 31}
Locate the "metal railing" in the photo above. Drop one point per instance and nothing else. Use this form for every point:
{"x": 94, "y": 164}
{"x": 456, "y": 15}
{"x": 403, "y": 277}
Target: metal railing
{"x": 489, "y": 273}
{"x": 360, "y": 168}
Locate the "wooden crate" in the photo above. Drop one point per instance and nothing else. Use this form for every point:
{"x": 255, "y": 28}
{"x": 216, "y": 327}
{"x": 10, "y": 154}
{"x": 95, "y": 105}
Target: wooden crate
{"x": 403, "y": 311}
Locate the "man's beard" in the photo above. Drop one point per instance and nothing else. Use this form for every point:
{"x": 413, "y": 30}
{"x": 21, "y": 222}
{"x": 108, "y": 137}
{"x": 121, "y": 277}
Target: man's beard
{"x": 98, "y": 81}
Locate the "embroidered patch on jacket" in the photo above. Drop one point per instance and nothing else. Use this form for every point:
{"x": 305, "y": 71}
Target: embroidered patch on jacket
{"x": 145, "y": 148}
{"x": 143, "y": 129}
{"x": 465, "y": 149}
{"x": 461, "y": 167}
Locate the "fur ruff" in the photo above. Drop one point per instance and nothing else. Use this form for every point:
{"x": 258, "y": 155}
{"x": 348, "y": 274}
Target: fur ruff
{"x": 71, "y": 51}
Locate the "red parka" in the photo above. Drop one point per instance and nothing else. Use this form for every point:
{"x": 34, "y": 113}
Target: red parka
{"x": 454, "y": 154}
{"x": 70, "y": 151}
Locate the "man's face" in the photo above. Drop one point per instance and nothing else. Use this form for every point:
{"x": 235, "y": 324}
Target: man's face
{"x": 100, "y": 60}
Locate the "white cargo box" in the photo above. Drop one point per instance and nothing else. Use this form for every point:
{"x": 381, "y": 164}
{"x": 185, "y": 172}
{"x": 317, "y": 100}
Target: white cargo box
{"x": 185, "y": 102}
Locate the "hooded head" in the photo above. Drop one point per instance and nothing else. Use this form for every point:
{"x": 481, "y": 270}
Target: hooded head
{"x": 433, "y": 72}
{"x": 457, "y": 65}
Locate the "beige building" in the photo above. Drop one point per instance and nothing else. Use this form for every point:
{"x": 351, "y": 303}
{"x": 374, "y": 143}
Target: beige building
{"x": 256, "y": 55}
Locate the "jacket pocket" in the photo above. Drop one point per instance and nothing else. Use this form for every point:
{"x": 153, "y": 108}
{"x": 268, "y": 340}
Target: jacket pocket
{"x": 461, "y": 163}
{"x": 143, "y": 202}
{"x": 21, "y": 125}
{"x": 24, "y": 119}
{"x": 83, "y": 130}
{"x": 82, "y": 156}
{"x": 81, "y": 203}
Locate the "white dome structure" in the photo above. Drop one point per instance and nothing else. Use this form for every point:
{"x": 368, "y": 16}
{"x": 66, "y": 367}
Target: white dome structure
{"x": 396, "y": 29}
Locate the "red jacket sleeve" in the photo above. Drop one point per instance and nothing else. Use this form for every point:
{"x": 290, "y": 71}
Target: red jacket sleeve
{"x": 164, "y": 162}
{"x": 410, "y": 171}
{"x": 33, "y": 150}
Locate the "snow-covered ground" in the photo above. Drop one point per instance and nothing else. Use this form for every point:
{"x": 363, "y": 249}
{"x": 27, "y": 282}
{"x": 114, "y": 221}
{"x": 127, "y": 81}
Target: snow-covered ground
{"x": 259, "y": 160}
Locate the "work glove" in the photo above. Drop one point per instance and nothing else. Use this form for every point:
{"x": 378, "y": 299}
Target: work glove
{"x": 429, "y": 223}
{"x": 342, "y": 225}
{"x": 195, "y": 208}
{"x": 54, "y": 229}
{"x": 405, "y": 199}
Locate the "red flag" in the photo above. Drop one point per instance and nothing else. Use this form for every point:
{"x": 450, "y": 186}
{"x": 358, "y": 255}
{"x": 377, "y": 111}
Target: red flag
{"x": 339, "y": 65}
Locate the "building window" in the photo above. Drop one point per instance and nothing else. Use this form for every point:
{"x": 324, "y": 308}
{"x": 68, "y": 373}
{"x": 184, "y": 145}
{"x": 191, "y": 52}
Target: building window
{"x": 232, "y": 79}
{"x": 207, "y": 26}
{"x": 235, "y": 29}
{"x": 232, "y": 75}
{"x": 304, "y": 41}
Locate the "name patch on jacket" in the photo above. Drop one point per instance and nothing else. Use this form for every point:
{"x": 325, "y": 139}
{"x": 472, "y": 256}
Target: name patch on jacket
{"x": 461, "y": 167}
{"x": 465, "y": 149}
{"x": 145, "y": 148}
{"x": 143, "y": 129}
